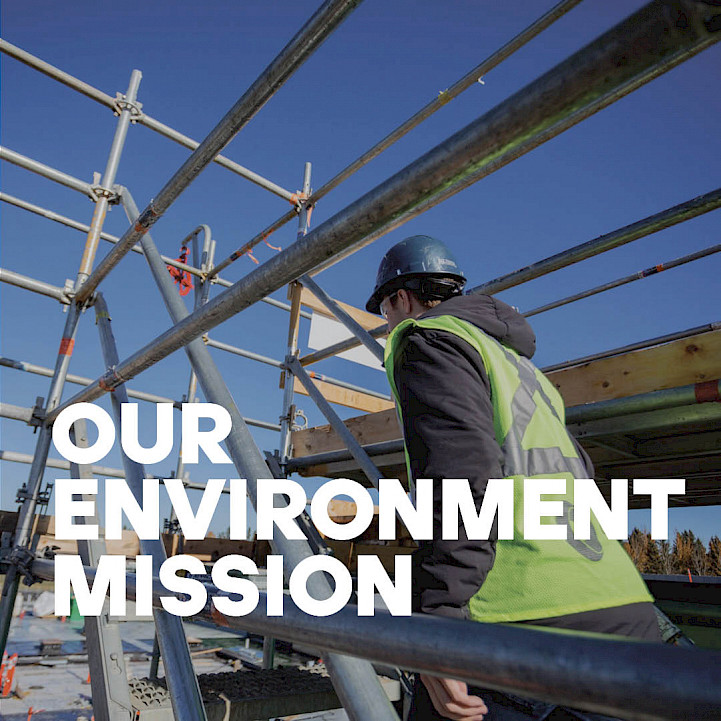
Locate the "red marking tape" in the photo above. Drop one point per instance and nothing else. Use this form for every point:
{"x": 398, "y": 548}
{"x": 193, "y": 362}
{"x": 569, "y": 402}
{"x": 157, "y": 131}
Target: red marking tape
{"x": 105, "y": 386}
{"x": 707, "y": 392}
{"x": 66, "y": 346}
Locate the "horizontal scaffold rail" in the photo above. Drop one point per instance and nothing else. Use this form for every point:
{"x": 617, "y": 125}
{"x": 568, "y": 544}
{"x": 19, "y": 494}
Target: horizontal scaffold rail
{"x": 468, "y": 80}
{"x": 581, "y": 85}
{"x": 138, "y": 116}
{"x": 140, "y": 395}
{"x": 614, "y": 239}
{"x": 36, "y": 286}
{"x": 626, "y": 678}
{"x": 77, "y": 225}
{"x": 294, "y": 54}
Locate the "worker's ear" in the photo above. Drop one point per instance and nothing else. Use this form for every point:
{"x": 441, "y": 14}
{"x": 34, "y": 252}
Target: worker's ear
{"x": 405, "y": 301}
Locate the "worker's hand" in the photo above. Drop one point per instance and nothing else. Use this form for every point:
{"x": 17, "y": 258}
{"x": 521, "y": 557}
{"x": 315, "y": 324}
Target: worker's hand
{"x": 452, "y": 700}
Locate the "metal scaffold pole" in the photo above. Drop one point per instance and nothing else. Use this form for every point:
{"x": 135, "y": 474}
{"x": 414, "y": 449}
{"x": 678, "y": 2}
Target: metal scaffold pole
{"x": 46, "y": 171}
{"x": 627, "y": 678}
{"x": 355, "y": 448}
{"x": 350, "y": 323}
{"x": 288, "y": 413}
{"x": 325, "y": 20}
{"x": 354, "y": 680}
{"x": 442, "y": 99}
{"x": 108, "y": 680}
{"x": 182, "y": 682}
{"x": 576, "y": 88}
{"x": 616, "y": 238}
{"x": 19, "y": 558}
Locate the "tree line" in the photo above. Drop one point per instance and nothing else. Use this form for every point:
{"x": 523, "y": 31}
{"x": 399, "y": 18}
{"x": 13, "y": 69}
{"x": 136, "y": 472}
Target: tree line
{"x": 686, "y": 553}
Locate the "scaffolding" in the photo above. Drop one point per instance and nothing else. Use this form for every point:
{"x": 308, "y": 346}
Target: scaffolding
{"x": 613, "y": 677}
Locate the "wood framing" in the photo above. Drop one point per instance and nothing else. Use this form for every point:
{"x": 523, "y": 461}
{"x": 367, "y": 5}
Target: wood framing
{"x": 367, "y": 320}
{"x": 374, "y": 428}
{"x": 346, "y": 397}
{"x": 678, "y": 363}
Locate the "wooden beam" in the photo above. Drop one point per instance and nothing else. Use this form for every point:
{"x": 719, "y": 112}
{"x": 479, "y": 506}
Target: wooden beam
{"x": 367, "y": 320}
{"x": 345, "y": 397}
{"x": 294, "y": 293}
{"x": 374, "y": 428}
{"x": 679, "y": 363}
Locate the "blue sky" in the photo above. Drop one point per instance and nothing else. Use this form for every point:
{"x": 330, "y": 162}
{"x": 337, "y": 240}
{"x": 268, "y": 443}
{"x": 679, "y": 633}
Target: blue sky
{"x": 649, "y": 151}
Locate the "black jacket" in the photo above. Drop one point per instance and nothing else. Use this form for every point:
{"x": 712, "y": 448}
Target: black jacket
{"x": 447, "y": 414}
{"x": 445, "y": 398}
{"x": 448, "y": 426}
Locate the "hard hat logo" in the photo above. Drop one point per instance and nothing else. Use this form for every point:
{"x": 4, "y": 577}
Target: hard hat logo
{"x": 414, "y": 257}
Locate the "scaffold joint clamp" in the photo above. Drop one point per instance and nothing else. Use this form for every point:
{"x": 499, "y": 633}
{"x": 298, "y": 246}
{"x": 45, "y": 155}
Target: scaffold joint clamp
{"x": 122, "y": 103}
{"x": 22, "y": 558}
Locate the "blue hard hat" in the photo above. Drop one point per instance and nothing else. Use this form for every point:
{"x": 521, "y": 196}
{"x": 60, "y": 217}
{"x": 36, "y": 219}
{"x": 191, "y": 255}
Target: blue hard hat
{"x": 417, "y": 256}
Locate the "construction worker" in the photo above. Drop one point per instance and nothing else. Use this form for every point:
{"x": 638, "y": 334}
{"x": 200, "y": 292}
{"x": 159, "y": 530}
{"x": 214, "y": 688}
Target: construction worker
{"x": 473, "y": 406}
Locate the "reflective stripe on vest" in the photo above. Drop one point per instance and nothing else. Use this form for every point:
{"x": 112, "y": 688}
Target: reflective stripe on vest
{"x": 531, "y": 461}
{"x": 533, "y": 579}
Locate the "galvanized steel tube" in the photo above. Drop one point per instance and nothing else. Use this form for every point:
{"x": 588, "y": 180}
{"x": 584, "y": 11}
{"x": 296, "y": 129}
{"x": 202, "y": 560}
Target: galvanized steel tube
{"x": 16, "y": 413}
{"x": 51, "y": 71}
{"x": 437, "y": 103}
{"x": 36, "y": 286}
{"x": 354, "y": 681}
{"x": 101, "y": 471}
{"x": 640, "y": 275}
{"x": 361, "y": 457}
{"x": 179, "y": 674}
{"x": 584, "y": 83}
{"x": 46, "y": 171}
{"x": 50, "y": 215}
{"x": 287, "y": 414}
{"x": 614, "y": 239}
{"x": 311, "y": 35}
{"x": 372, "y": 449}
{"x": 231, "y": 165}
{"x": 709, "y": 391}
{"x": 80, "y": 380}
{"x": 345, "y": 318}
{"x": 632, "y": 679}
{"x": 652, "y": 420}
{"x": 108, "y": 179}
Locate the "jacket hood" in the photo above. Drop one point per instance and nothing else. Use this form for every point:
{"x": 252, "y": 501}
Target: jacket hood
{"x": 492, "y": 316}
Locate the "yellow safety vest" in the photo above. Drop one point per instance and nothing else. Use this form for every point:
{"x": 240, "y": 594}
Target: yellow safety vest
{"x": 533, "y": 579}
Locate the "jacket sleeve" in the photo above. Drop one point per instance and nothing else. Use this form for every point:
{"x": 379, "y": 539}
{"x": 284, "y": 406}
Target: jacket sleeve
{"x": 448, "y": 428}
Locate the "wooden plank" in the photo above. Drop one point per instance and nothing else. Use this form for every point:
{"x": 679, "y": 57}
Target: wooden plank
{"x": 679, "y": 363}
{"x": 345, "y": 512}
{"x": 374, "y": 428}
{"x": 690, "y": 360}
{"x": 346, "y": 397}
{"x": 294, "y": 293}
{"x": 367, "y": 320}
